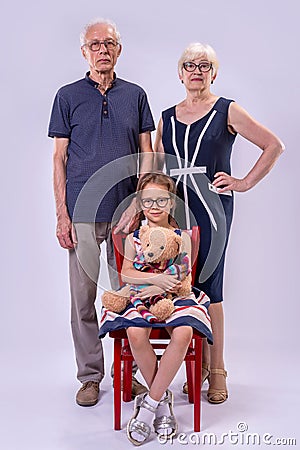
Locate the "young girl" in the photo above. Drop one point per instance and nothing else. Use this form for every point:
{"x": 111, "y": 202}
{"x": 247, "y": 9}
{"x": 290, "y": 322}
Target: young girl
{"x": 156, "y": 199}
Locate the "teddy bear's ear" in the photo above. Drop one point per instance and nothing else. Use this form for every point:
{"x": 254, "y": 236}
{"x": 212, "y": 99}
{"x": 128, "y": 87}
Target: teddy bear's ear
{"x": 144, "y": 229}
{"x": 178, "y": 240}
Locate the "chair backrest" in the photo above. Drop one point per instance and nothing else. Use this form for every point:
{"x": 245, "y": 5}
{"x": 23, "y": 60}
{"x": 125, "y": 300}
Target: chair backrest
{"x": 119, "y": 239}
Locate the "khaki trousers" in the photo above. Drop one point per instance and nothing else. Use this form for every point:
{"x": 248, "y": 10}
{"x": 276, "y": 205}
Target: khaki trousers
{"x": 84, "y": 266}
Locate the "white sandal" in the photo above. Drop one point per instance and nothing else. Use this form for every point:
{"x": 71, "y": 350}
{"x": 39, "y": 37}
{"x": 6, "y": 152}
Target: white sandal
{"x": 139, "y": 426}
{"x": 162, "y": 423}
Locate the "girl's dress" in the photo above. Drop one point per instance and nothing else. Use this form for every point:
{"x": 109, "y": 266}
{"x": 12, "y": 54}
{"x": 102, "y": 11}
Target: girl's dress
{"x": 189, "y": 310}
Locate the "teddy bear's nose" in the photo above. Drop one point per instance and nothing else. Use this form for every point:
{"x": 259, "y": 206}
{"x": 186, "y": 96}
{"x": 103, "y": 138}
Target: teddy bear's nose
{"x": 150, "y": 254}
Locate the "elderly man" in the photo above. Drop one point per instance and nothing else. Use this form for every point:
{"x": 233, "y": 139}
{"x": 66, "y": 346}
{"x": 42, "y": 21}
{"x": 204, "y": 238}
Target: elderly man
{"x": 94, "y": 121}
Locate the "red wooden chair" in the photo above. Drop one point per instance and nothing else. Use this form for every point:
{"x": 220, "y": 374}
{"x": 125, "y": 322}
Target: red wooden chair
{"x": 122, "y": 352}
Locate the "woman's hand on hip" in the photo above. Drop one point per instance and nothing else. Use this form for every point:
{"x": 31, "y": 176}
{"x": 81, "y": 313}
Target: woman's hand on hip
{"x": 225, "y": 182}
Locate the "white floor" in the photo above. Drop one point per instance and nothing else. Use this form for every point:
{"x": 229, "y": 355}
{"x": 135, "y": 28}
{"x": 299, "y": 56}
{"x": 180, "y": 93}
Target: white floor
{"x": 38, "y": 374}
{"x": 39, "y": 412}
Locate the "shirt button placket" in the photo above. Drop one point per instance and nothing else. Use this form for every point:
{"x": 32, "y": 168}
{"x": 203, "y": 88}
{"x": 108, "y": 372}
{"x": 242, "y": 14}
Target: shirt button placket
{"x": 105, "y": 107}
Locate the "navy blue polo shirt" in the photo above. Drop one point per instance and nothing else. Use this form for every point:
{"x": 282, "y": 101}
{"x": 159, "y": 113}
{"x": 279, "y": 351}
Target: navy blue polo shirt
{"x": 100, "y": 129}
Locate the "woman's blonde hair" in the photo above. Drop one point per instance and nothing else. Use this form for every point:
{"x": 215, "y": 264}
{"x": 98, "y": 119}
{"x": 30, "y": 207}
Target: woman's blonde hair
{"x": 195, "y": 51}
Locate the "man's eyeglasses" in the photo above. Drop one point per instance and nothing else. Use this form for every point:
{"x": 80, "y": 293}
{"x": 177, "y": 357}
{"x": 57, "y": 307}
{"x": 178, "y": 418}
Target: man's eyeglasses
{"x": 95, "y": 46}
{"x": 161, "y": 202}
{"x": 203, "y": 66}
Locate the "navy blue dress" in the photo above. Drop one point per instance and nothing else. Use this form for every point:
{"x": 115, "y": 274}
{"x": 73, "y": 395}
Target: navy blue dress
{"x": 194, "y": 153}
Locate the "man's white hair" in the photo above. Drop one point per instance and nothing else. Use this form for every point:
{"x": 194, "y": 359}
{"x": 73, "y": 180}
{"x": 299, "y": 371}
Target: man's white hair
{"x": 96, "y": 22}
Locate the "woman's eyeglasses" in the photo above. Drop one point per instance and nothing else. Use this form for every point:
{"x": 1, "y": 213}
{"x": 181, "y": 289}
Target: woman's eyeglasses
{"x": 203, "y": 66}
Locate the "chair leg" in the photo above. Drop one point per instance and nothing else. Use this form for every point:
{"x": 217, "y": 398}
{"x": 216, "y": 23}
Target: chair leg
{"x": 190, "y": 372}
{"x": 117, "y": 383}
{"x": 198, "y": 384}
{"x": 127, "y": 381}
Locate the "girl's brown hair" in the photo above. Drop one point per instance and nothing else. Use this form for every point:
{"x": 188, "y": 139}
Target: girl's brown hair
{"x": 159, "y": 178}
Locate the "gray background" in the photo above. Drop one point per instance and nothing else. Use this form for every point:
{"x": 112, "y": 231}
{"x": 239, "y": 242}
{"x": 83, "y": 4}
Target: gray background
{"x": 258, "y": 48}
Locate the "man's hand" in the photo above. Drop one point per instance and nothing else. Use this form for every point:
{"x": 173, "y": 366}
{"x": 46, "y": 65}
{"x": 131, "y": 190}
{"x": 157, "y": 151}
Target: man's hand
{"x": 126, "y": 218}
{"x": 66, "y": 233}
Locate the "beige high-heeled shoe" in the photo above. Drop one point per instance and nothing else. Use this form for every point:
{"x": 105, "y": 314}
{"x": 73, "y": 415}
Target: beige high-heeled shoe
{"x": 217, "y": 395}
{"x": 205, "y": 376}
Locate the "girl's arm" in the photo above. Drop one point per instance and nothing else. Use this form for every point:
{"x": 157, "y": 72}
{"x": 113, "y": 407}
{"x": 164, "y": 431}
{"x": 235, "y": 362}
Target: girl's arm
{"x": 187, "y": 249}
{"x": 182, "y": 265}
{"x": 186, "y": 244}
{"x": 133, "y": 276}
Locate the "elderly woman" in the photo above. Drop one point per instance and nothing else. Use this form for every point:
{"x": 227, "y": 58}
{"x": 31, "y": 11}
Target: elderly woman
{"x": 195, "y": 139}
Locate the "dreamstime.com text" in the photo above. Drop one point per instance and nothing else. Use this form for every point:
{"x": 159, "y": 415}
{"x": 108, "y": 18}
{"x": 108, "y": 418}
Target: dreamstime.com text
{"x": 239, "y": 437}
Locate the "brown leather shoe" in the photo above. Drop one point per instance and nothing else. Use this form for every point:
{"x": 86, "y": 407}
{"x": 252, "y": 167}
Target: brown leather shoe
{"x": 137, "y": 388}
{"x": 88, "y": 394}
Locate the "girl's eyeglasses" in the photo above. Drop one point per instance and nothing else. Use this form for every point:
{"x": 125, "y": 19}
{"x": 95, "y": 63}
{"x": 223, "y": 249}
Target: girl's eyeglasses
{"x": 148, "y": 203}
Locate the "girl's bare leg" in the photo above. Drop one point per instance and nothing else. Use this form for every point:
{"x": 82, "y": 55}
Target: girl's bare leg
{"x": 159, "y": 379}
{"x": 171, "y": 360}
{"x": 143, "y": 352}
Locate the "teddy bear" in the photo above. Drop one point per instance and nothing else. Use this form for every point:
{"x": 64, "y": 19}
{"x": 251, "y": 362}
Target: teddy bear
{"x": 159, "y": 252}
